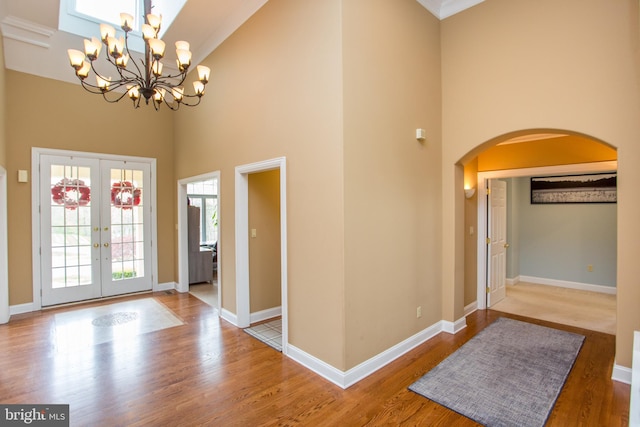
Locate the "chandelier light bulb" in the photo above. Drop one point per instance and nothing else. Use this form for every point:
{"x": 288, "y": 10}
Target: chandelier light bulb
{"x": 184, "y": 59}
{"x": 203, "y": 73}
{"x": 198, "y": 86}
{"x": 103, "y": 83}
{"x": 126, "y": 21}
{"x": 158, "y": 96}
{"x": 178, "y": 93}
{"x": 157, "y": 48}
{"x": 133, "y": 92}
{"x": 157, "y": 68}
{"x": 148, "y": 32}
{"x": 106, "y": 31}
{"x": 122, "y": 61}
{"x": 182, "y": 45}
{"x": 154, "y": 20}
{"x": 83, "y": 72}
{"x": 76, "y": 58}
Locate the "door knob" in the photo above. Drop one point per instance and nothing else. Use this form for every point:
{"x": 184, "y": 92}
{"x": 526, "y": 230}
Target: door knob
{"x": 506, "y": 245}
{"x": 96, "y": 245}
{"x": 106, "y": 245}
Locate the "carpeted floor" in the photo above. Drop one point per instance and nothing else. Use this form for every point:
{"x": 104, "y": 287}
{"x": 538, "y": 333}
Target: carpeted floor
{"x": 584, "y": 309}
{"x": 510, "y": 374}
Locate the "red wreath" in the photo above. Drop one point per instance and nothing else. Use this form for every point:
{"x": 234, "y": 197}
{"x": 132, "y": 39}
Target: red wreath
{"x": 71, "y": 193}
{"x": 124, "y": 195}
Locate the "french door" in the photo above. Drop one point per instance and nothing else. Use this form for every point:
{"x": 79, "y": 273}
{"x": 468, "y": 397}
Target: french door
{"x": 95, "y": 228}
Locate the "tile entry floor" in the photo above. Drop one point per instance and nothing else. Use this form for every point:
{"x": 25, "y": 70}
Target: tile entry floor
{"x": 269, "y": 333}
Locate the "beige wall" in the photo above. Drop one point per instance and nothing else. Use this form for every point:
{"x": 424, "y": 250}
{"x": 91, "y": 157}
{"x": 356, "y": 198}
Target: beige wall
{"x": 471, "y": 238}
{"x": 51, "y": 114}
{"x": 264, "y": 249}
{"x": 392, "y": 181}
{"x": 3, "y": 108}
{"x": 276, "y": 90}
{"x": 535, "y": 65}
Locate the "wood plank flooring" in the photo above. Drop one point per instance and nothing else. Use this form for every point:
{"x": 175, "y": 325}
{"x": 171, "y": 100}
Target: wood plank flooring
{"x": 207, "y": 372}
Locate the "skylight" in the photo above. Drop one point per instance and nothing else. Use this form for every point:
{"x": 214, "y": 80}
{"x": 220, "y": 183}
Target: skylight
{"x": 82, "y": 17}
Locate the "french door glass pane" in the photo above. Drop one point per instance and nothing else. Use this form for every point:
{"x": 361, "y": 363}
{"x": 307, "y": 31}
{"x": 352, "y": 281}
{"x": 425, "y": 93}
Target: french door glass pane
{"x": 71, "y": 226}
{"x": 127, "y": 224}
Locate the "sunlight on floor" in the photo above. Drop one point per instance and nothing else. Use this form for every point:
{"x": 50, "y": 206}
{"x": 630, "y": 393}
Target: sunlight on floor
{"x": 86, "y": 327}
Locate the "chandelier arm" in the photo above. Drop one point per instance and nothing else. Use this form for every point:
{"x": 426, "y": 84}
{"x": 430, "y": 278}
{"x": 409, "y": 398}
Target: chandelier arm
{"x": 114, "y": 100}
{"x": 126, "y": 46}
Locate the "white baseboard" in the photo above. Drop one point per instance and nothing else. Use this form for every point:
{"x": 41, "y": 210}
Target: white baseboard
{"x": 229, "y": 317}
{"x": 346, "y": 379}
{"x": 571, "y": 285}
{"x": 471, "y": 308}
{"x": 512, "y": 281}
{"x": 160, "y": 287}
{"x": 21, "y": 308}
{"x": 267, "y": 314}
{"x": 454, "y": 327}
{"x": 621, "y": 374}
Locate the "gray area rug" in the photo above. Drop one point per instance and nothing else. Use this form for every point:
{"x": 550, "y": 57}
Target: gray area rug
{"x": 510, "y": 374}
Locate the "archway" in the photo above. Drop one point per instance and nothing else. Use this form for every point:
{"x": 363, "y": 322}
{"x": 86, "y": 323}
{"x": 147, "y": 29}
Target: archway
{"x": 527, "y": 153}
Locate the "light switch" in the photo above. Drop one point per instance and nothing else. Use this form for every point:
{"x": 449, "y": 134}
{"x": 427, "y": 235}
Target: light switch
{"x": 253, "y": 233}
{"x": 23, "y": 176}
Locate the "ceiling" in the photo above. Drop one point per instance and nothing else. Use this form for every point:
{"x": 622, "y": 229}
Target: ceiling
{"x": 33, "y": 44}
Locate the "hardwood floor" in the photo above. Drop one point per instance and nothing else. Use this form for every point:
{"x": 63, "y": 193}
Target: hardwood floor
{"x": 207, "y": 372}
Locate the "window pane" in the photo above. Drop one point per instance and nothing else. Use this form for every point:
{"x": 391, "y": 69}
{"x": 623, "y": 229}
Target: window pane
{"x": 108, "y": 11}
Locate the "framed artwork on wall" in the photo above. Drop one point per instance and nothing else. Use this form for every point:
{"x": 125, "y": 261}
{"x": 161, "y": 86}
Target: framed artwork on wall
{"x": 584, "y": 188}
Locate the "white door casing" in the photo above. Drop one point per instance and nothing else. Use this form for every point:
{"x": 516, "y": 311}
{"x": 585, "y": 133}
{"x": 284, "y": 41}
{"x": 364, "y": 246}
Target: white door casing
{"x": 4, "y": 252}
{"x": 484, "y": 177}
{"x": 243, "y": 312}
{"x": 497, "y": 265}
{"x": 144, "y": 277}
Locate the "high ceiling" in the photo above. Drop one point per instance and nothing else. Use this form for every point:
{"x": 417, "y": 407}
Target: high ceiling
{"x": 33, "y": 44}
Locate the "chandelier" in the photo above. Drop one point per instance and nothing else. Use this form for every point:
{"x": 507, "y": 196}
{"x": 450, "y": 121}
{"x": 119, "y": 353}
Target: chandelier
{"x": 142, "y": 78}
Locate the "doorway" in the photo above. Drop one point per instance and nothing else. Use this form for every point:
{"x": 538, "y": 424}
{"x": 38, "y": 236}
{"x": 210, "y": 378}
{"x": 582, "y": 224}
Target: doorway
{"x": 484, "y": 219}
{"x": 205, "y": 195}
{"x": 4, "y": 253}
{"x": 243, "y": 298}
{"x": 93, "y": 220}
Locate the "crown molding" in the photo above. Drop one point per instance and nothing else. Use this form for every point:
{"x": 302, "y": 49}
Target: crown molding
{"x": 443, "y": 9}
{"x": 26, "y": 31}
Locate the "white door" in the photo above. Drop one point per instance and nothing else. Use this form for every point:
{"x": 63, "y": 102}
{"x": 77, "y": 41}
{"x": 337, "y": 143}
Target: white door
{"x": 94, "y": 218}
{"x": 497, "y": 241}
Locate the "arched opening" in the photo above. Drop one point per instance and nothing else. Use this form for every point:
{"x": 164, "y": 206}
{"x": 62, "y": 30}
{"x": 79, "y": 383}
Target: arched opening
{"x": 557, "y": 245}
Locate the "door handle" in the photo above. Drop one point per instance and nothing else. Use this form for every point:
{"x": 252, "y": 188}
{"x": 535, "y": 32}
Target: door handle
{"x": 106, "y": 245}
{"x": 506, "y": 245}
{"x": 96, "y": 245}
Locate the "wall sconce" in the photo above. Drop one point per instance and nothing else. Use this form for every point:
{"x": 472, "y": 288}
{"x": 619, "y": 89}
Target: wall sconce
{"x": 469, "y": 192}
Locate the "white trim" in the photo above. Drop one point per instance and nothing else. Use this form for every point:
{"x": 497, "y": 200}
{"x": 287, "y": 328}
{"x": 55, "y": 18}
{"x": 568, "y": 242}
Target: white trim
{"x": 183, "y": 234}
{"x": 229, "y": 316}
{"x": 4, "y": 250}
{"x": 25, "y": 31}
{"x": 442, "y": 9}
{"x": 267, "y": 314}
{"x": 470, "y": 308}
{"x": 570, "y": 285}
{"x": 634, "y": 404}
{"x": 481, "y": 226}
{"x": 36, "y": 152}
{"x": 242, "y": 241}
{"x": 167, "y": 286}
{"x": 621, "y": 374}
{"x": 22, "y": 308}
{"x": 454, "y": 327}
{"x": 345, "y": 379}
